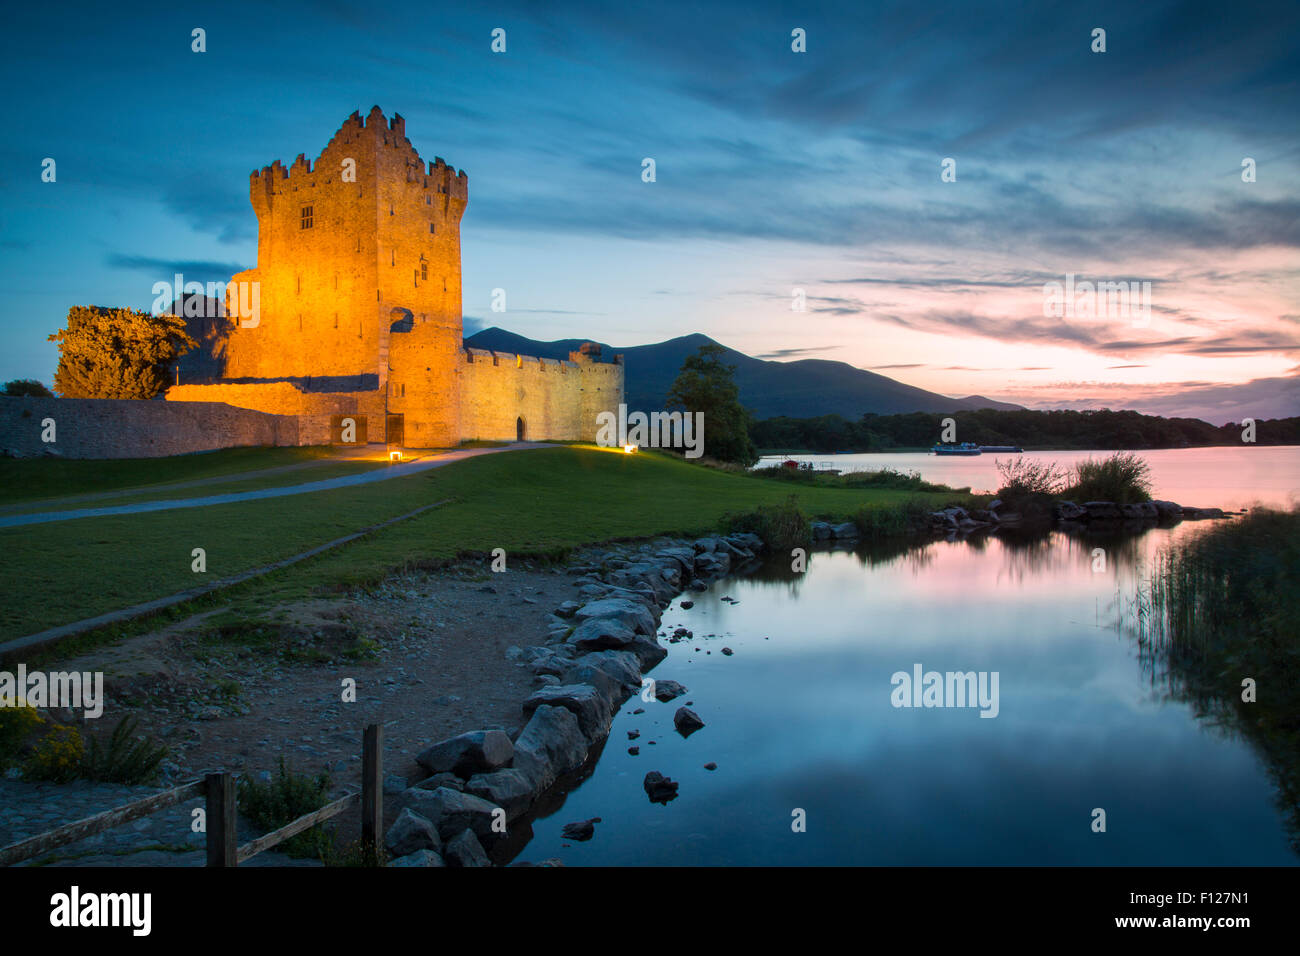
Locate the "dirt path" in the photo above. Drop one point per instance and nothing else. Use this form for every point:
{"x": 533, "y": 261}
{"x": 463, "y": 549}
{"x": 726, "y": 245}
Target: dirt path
{"x": 427, "y": 652}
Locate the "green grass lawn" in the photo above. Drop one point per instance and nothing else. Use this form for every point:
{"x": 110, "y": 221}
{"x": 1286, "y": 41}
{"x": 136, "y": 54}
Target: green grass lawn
{"x": 30, "y": 479}
{"x": 317, "y": 472}
{"x": 528, "y": 502}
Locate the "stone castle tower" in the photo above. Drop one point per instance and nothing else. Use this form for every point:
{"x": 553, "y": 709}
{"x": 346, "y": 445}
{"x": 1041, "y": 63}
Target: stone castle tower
{"x": 359, "y": 272}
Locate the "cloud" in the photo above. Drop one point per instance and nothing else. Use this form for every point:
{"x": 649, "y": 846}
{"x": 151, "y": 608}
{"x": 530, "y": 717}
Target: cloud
{"x": 790, "y": 353}
{"x": 166, "y": 268}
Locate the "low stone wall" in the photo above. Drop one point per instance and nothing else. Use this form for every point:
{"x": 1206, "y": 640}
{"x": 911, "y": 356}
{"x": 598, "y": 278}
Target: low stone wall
{"x": 121, "y": 428}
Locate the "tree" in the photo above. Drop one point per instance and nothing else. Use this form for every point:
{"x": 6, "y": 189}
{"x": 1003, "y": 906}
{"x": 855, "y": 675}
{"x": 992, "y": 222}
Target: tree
{"x": 706, "y": 385}
{"x": 117, "y": 353}
{"x": 26, "y": 386}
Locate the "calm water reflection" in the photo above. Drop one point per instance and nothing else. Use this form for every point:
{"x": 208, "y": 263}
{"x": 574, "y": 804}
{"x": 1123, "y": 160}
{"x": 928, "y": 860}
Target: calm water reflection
{"x": 1201, "y": 477}
{"x": 800, "y": 718}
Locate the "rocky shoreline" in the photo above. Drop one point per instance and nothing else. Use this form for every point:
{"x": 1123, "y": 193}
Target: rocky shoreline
{"x": 593, "y": 660}
{"x": 1068, "y": 515}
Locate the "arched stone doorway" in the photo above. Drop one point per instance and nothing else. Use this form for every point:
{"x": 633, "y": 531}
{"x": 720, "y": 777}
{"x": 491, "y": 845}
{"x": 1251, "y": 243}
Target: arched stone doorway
{"x": 519, "y": 429}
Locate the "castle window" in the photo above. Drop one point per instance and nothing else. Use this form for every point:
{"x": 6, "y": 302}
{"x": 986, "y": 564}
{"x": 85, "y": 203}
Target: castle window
{"x": 403, "y": 390}
{"x": 415, "y": 279}
{"x": 306, "y": 217}
{"x": 432, "y": 231}
{"x": 428, "y": 200}
{"x": 336, "y": 320}
{"x": 424, "y": 270}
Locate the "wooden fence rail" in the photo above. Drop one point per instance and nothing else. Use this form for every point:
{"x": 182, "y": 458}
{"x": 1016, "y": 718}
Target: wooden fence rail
{"x": 218, "y": 789}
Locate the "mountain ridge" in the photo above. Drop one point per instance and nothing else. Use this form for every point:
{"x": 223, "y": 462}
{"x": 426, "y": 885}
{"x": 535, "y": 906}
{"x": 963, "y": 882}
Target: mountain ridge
{"x": 804, "y": 388}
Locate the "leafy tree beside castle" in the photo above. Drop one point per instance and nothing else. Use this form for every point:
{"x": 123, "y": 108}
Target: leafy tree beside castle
{"x": 26, "y": 386}
{"x": 117, "y": 353}
{"x": 706, "y": 385}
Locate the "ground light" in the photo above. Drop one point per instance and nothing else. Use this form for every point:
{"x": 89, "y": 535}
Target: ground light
{"x": 629, "y": 449}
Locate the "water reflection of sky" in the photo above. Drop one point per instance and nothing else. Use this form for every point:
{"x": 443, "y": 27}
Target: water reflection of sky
{"x": 1228, "y": 477}
{"x": 800, "y": 717}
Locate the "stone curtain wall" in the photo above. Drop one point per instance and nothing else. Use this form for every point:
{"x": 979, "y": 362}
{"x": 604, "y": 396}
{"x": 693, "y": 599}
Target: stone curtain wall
{"x": 557, "y": 400}
{"x": 122, "y": 428}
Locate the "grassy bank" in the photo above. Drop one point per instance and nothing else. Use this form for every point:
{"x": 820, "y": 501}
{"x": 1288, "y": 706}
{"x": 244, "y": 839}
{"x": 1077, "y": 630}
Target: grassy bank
{"x": 536, "y": 502}
{"x": 1222, "y": 609}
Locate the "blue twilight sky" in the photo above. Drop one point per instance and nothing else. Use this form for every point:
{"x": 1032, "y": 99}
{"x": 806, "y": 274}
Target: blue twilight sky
{"x": 776, "y": 171}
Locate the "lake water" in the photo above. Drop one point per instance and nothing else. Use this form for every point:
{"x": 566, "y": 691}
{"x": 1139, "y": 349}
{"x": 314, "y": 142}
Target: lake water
{"x": 800, "y": 718}
{"x": 1201, "y": 477}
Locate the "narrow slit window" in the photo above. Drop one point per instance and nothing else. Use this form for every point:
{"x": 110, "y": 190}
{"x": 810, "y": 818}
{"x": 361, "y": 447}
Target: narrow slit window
{"x": 306, "y": 217}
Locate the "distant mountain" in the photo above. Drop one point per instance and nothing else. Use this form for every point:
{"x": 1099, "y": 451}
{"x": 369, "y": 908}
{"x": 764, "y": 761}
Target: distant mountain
{"x": 801, "y": 389}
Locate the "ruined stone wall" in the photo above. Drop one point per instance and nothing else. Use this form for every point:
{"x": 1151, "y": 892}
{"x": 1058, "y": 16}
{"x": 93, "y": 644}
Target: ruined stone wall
{"x": 123, "y": 428}
{"x": 556, "y": 400}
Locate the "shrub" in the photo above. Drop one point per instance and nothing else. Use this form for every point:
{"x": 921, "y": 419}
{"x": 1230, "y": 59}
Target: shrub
{"x": 124, "y": 759}
{"x": 781, "y": 527}
{"x": 877, "y": 523}
{"x": 57, "y": 756}
{"x": 16, "y": 726}
{"x": 284, "y": 799}
{"x": 1122, "y": 477}
{"x": 1026, "y": 477}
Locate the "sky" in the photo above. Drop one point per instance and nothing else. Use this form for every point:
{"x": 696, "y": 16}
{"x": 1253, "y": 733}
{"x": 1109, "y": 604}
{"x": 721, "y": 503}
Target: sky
{"x": 781, "y": 178}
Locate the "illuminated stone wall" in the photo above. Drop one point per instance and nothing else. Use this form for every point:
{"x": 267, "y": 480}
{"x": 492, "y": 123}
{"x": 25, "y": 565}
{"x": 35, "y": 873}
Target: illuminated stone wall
{"x": 358, "y": 263}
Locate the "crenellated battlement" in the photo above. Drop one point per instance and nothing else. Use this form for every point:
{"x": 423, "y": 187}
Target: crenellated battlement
{"x": 360, "y": 139}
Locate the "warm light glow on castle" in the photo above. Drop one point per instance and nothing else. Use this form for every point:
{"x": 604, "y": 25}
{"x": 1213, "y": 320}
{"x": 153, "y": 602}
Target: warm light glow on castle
{"x": 358, "y": 267}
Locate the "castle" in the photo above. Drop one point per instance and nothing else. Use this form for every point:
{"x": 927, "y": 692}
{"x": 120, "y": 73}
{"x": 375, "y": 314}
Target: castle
{"x": 359, "y": 312}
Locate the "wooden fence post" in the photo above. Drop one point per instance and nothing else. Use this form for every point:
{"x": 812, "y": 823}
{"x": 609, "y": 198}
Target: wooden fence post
{"x": 372, "y": 788}
{"x": 221, "y": 819}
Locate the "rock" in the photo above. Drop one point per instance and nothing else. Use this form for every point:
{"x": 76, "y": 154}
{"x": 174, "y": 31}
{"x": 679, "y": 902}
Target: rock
{"x": 601, "y": 633}
{"x": 1068, "y": 511}
{"x": 648, "y": 652}
{"x": 451, "y": 811}
{"x": 633, "y": 750}
{"x": 821, "y": 531}
{"x": 465, "y": 850}
{"x": 411, "y": 833}
{"x": 419, "y": 858}
{"x": 550, "y": 745}
{"x": 686, "y": 605}
{"x": 587, "y": 703}
{"x": 1143, "y": 510}
{"x": 995, "y": 504}
{"x": 687, "y": 721}
{"x": 712, "y": 564}
{"x": 446, "y": 779}
{"x": 705, "y": 545}
{"x": 666, "y": 690}
{"x": 393, "y": 783}
{"x": 630, "y": 614}
{"x": 727, "y": 651}
{"x": 659, "y": 788}
{"x": 1196, "y": 514}
{"x": 478, "y": 751}
{"x": 1104, "y": 510}
{"x": 845, "y": 532}
{"x": 622, "y": 667}
{"x": 1168, "y": 510}
{"x": 710, "y": 766}
{"x": 512, "y": 790}
{"x": 580, "y": 832}
{"x": 568, "y": 608}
